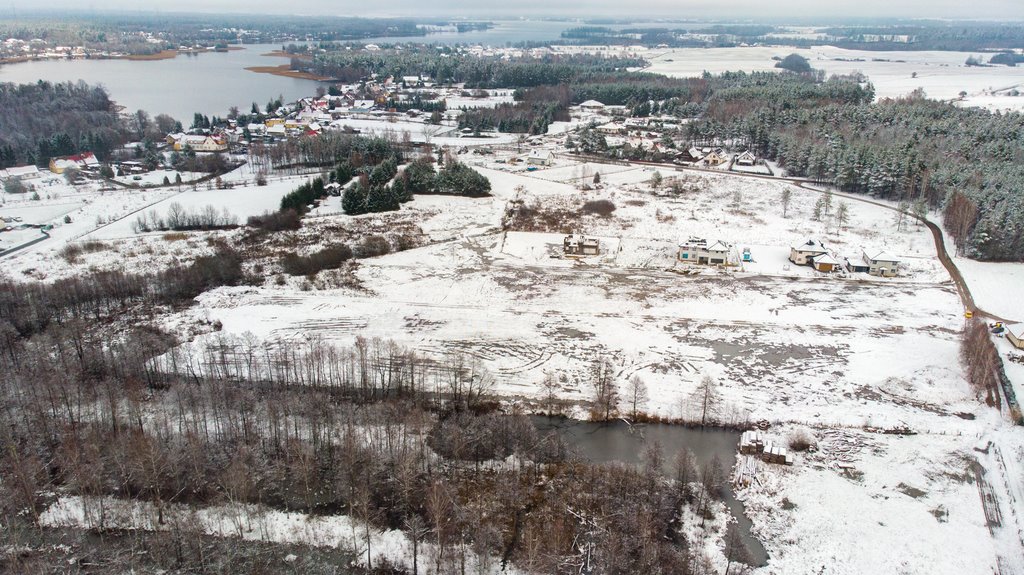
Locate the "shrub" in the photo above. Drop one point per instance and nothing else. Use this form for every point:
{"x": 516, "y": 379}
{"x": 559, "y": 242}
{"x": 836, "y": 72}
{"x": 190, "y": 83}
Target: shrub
{"x": 276, "y": 221}
{"x": 14, "y": 186}
{"x": 602, "y": 208}
{"x": 71, "y": 252}
{"x": 373, "y": 246}
{"x": 801, "y": 440}
{"x": 327, "y": 258}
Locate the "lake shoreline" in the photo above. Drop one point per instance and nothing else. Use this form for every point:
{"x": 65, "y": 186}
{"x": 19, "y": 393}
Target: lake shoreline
{"x": 283, "y": 54}
{"x": 286, "y": 71}
{"x": 171, "y": 54}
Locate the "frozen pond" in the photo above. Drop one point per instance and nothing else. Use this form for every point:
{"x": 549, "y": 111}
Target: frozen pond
{"x": 620, "y": 442}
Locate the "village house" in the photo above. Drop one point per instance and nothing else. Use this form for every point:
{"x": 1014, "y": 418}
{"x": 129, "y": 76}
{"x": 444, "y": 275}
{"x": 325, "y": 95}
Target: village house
{"x": 20, "y": 173}
{"x": 592, "y": 106}
{"x": 746, "y": 159}
{"x": 86, "y": 161}
{"x": 881, "y": 263}
{"x": 1015, "y": 335}
{"x": 580, "y": 245}
{"x": 198, "y": 142}
{"x": 802, "y": 253}
{"x": 687, "y": 157}
{"x": 541, "y": 158}
{"x": 612, "y": 128}
{"x": 715, "y": 158}
{"x": 698, "y": 251}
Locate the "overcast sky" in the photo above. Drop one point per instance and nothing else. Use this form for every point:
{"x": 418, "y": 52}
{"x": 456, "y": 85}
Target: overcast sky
{"x": 730, "y": 9}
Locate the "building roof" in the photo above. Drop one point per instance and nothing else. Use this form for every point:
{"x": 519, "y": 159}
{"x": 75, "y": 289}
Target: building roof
{"x": 880, "y": 256}
{"x": 545, "y": 154}
{"x": 19, "y": 171}
{"x": 592, "y": 104}
{"x": 718, "y": 246}
{"x": 1017, "y": 329}
{"x": 825, "y": 259}
{"x": 694, "y": 242}
{"x": 810, "y": 245}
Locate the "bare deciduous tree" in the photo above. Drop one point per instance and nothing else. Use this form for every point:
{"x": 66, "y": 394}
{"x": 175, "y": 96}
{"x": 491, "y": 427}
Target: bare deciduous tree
{"x": 636, "y": 395}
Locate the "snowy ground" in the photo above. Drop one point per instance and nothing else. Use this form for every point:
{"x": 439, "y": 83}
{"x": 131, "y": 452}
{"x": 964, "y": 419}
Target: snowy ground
{"x": 156, "y": 177}
{"x": 872, "y": 503}
{"x": 942, "y": 75}
{"x": 107, "y": 216}
{"x": 513, "y": 301}
{"x": 785, "y": 343}
{"x": 254, "y": 523}
{"x": 995, "y": 286}
{"x": 239, "y": 201}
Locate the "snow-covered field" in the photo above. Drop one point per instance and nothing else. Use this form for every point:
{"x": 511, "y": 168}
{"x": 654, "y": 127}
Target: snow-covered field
{"x": 156, "y": 177}
{"x": 239, "y": 201}
{"x": 870, "y": 503}
{"x": 108, "y": 216}
{"x": 995, "y": 286}
{"x": 786, "y": 344}
{"x": 942, "y": 75}
{"x": 839, "y": 355}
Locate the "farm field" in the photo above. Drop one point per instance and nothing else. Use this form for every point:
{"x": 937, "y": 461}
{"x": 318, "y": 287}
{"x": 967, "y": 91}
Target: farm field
{"x": 942, "y": 75}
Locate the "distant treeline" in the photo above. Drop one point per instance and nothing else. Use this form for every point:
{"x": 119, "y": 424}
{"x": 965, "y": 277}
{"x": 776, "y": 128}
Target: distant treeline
{"x": 952, "y": 36}
{"x": 444, "y": 66}
{"x": 44, "y": 120}
{"x": 146, "y": 33}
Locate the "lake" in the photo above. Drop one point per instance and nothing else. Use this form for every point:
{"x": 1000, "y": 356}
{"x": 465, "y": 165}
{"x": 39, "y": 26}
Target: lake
{"x": 617, "y": 441}
{"x": 503, "y": 32}
{"x": 209, "y": 83}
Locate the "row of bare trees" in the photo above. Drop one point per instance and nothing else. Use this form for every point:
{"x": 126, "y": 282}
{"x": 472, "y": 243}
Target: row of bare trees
{"x": 227, "y": 441}
{"x": 984, "y": 368}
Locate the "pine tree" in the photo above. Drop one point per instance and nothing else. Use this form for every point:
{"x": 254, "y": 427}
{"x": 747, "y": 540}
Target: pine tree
{"x": 381, "y": 199}
{"x": 353, "y": 201}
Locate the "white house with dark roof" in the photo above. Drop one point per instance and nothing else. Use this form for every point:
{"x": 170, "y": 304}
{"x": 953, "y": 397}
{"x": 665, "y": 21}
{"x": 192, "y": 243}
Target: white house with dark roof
{"x": 802, "y": 253}
{"x": 881, "y": 263}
